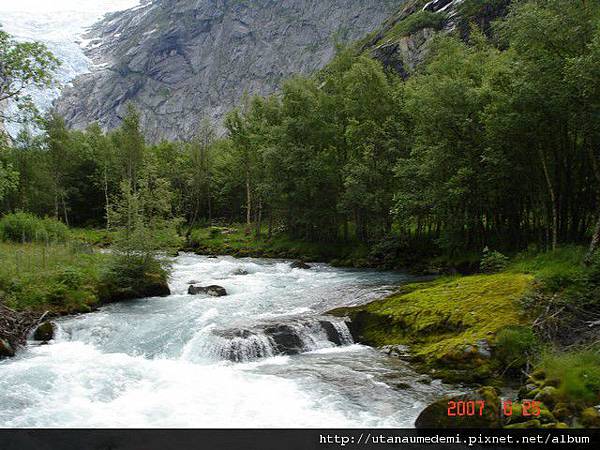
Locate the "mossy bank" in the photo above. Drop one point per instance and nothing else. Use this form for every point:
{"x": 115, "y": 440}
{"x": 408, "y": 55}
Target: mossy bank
{"x": 451, "y": 325}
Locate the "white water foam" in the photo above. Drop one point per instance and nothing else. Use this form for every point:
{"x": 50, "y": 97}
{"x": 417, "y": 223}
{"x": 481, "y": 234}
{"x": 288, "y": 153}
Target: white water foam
{"x": 158, "y": 363}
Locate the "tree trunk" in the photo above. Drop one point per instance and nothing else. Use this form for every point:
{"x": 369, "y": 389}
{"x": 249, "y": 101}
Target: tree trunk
{"x": 552, "y": 199}
{"x": 248, "y": 201}
{"x": 596, "y": 236}
{"x": 270, "y": 232}
{"x": 106, "y": 199}
{"x": 259, "y": 219}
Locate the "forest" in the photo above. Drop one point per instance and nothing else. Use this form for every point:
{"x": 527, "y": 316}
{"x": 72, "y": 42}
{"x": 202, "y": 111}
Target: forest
{"x": 493, "y": 142}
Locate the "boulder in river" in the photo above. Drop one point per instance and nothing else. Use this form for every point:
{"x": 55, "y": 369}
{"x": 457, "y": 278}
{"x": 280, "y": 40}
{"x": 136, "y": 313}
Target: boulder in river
{"x": 44, "y": 332}
{"x": 240, "y": 271}
{"x": 286, "y": 339}
{"x": 214, "y": 290}
{"x": 6, "y": 349}
{"x": 299, "y": 265}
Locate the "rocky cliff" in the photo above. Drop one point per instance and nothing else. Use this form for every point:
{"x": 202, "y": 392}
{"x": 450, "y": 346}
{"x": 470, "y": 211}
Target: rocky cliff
{"x": 181, "y": 60}
{"x": 402, "y": 42}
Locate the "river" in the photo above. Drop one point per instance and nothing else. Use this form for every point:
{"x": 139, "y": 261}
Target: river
{"x": 199, "y": 361}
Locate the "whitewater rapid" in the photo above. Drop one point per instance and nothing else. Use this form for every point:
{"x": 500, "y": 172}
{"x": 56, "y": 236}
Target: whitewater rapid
{"x": 166, "y": 362}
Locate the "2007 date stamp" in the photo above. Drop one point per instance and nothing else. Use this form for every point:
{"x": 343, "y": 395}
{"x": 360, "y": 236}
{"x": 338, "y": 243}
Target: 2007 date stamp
{"x": 526, "y": 408}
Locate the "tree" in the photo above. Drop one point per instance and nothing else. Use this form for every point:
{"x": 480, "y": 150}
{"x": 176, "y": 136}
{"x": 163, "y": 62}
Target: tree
{"x": 130, "y": 145}
{"x": 23, "y": 65}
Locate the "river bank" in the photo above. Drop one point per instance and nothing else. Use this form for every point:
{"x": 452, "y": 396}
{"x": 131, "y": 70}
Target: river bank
{"x": 49, "y": 280}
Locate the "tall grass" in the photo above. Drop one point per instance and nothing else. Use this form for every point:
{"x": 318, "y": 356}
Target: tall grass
{"x": 61, "y": 277}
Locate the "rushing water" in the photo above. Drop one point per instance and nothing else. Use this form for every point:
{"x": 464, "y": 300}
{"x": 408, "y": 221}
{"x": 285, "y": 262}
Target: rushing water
{"x": 199, "y": 361}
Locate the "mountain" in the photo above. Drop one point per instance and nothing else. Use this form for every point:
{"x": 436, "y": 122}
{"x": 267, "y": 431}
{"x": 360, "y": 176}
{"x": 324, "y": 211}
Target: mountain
{"x": 181, "y": 60}
{"x": 402, "y": 42}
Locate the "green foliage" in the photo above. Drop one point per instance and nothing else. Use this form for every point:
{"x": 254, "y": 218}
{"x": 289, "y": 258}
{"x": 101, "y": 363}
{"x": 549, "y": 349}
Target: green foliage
{"x": 23, "y": 65}
{"x": 25, "y": 227}
{"x": 493, "y": 261}
{"x": 515, "y": 346}
{"x": 578, "y": 372}
{"x": 8, "y": 178}
{"x": 416, "y": 22}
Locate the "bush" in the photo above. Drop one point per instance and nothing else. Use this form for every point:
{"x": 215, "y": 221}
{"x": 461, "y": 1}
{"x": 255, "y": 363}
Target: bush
{"x": 578, "y": 372}
{"x": 25, "y": 227}
{"x": 514, "y": 346}
{"x": 493, "y": 261}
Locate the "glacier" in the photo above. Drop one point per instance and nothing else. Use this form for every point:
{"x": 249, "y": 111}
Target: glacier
{"x": 61, "y": 25}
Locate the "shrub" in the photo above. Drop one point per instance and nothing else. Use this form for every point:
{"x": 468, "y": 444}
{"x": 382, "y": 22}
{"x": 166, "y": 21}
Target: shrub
{"x": 25, "y": 227}
{"x": 493, "y": 261}
{"x": 515, "y": 344}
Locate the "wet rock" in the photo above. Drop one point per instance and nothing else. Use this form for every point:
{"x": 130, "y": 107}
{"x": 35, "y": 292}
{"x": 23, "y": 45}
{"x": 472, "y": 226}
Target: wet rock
{"x": 548, "y": 395}
{"x": 240, "y": 271}
{"x": 6, "y": 349}
{"x": 398, "y": 351}
{"x": 287, "y": 341}
{"x": 212, "y": 257}
{"x": 402, "y": 386}
{"x": 483, "y": 348}
{"x": 157, "y": 288}
{"x": 299, "y": 265}
{"x": 332, "y": 333}
{"x": 436, "y": 414}
{"x": 44, "y": 332}
{"x": 590, "y": 418}
{"x": 563, "y": 411}
{"x": 524, "y": 425}
{"x": 213, "y": 290}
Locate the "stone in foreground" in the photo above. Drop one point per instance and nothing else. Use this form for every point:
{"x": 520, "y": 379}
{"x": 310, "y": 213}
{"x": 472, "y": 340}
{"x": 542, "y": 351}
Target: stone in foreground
{"x": 436, "y": 414}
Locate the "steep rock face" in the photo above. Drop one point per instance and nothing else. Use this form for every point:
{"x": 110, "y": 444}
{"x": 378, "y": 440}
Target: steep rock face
{"x": 402, "y": 42}
{"x": 181, "y": 60}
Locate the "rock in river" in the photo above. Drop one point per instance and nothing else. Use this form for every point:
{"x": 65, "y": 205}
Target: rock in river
{"x": 299, "y": 265}
{"x": 44, "y": 332}
{"x": 215, "y": 291}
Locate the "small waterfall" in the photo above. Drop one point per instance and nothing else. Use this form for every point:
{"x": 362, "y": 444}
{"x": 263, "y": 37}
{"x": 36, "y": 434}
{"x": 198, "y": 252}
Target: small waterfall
{"x": 270, "y": 339}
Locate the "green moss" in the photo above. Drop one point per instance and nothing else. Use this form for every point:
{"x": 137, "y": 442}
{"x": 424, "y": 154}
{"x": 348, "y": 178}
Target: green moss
{"x": 443, "y": 321}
